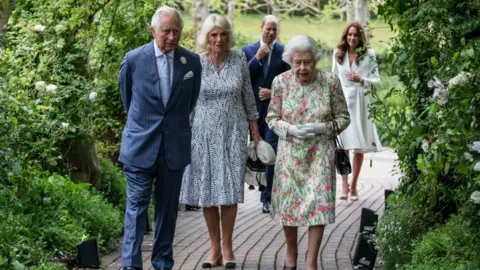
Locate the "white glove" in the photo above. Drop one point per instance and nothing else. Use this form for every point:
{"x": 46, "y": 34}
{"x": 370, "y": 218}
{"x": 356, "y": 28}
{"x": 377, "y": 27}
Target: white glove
{"x": 303, "y": 133}
{"x": 251, "y": 151}
{"x": 318, "y": 128}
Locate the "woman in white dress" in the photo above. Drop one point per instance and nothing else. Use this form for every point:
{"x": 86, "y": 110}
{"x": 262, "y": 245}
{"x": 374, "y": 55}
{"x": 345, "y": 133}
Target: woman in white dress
{"x": 356, "y": 67}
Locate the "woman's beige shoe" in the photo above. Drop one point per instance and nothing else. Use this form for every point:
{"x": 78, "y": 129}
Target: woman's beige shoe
{"x": 210, "y": 264}
{"x": 344, "y": 194}
{"x": 353, "y": 197}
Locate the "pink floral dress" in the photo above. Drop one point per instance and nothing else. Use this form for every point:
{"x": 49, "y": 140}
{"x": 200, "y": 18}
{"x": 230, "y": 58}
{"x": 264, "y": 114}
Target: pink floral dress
{"x": 303, "y": 191}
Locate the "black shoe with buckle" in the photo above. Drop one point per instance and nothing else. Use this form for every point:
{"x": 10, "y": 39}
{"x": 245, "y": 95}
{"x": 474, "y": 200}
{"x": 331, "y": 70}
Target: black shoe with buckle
{"x": 266, "y": 208}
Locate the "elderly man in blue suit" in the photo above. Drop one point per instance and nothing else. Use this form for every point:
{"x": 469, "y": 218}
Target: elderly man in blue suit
{"x": 265, "y": 63}
{"x": 159, "y": 85}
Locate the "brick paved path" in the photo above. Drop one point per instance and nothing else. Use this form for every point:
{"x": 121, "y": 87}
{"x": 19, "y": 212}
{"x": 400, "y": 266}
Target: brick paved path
{"x": 259, "y": 242}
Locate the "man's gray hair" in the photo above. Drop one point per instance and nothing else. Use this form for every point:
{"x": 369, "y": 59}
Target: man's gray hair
{"x": 269, "y": 18}
{"x": 300, "y": 43}
{"x": 162, "y": 11}
{"x": 210, "y": 22}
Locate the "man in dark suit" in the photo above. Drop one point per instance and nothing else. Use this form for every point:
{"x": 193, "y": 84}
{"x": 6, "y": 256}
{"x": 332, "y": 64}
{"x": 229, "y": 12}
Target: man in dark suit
{"x": 265, "y": 63}
{"x": 159, "y": 85}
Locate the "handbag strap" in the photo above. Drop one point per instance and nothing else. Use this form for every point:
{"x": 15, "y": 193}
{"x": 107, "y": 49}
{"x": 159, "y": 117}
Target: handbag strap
{"x": 338, "y": 139}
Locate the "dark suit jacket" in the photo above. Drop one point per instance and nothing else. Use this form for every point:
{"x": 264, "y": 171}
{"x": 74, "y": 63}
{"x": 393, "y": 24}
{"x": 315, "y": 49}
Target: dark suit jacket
{"x": 276, "y": 67}
{"x": 149, "y": 121}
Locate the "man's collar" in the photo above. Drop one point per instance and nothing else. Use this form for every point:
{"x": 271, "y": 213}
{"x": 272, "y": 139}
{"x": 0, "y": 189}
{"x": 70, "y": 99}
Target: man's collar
{"x": 159, "y": 52}
{"x": 262, "y": 43}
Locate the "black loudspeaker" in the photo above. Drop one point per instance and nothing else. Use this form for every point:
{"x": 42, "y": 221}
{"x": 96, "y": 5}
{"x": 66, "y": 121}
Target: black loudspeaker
{"x": 388, "y": 192}
{"x": 368, "y": 221}
{"x": 88, "y": 256}
{"x": 365, "y": 253}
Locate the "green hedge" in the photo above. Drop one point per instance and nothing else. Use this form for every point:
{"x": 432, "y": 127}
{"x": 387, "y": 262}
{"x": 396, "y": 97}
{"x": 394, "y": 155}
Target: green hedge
{"x": 433, "y": 223}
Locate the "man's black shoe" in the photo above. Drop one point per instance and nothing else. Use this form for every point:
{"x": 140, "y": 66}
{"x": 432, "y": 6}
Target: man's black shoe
{"x": 266, "y": 208}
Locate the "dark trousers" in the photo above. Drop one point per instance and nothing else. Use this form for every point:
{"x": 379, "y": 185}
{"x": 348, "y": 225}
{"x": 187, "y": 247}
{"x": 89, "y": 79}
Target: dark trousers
{"x": 167, "y": 191}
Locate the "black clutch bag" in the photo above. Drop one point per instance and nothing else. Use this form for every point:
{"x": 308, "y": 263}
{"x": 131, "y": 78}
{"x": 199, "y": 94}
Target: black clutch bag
{"x": 342, "y": 163}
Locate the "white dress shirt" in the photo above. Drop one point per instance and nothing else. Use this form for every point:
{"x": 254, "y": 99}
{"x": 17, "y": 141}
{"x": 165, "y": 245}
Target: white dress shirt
{"x": 271, "y": 50}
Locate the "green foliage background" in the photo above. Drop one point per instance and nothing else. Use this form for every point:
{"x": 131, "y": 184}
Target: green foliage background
{"x": 432, "y": 223}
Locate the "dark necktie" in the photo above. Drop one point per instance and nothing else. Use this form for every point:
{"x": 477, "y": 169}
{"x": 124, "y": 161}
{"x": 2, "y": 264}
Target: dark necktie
{"x": 265, "y": 65}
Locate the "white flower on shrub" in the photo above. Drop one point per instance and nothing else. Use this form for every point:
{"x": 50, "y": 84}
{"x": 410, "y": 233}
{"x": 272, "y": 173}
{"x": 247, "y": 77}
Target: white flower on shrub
{"x": 435, "y": 83}
{"x": 40, "y": 85}
{"x": 440, "y": 93}
{"x": 459, "y": 80}
{"x": 416, "y": 83}
{"x": 65, "y": 125}
{"x": 425, "y": 145}
{"x": 439, "y": 114}
{"x": 111, "y": 39}
{"x": 51, "y": 89}
{"x": 39, "y": 28}
{"x": 93, "y": 96}
{"x": 468, "y": 156}
{"x": 430, "y": 26}
{"x": 60, "y": 28}
{"x": 477, "y": 167}
{"x": 475, "y": 197}
{"x": 442, "y": 43}
{"x": 476, "y": 146}
{"x": 442, "y": 40}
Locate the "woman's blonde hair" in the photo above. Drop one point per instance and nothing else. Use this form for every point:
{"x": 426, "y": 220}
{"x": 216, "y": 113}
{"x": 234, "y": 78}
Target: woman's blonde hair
{"x": 210, "y": 22}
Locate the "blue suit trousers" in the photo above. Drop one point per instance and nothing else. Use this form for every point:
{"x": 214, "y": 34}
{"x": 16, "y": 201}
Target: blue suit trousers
{"x": 167, "y": 191}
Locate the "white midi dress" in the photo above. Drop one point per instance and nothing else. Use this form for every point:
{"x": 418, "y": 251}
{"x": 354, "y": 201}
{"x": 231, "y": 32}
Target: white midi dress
{"x": 361, "y": 135}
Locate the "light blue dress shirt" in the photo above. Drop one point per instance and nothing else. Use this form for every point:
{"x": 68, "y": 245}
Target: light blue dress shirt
{"x": 160, "y": 60}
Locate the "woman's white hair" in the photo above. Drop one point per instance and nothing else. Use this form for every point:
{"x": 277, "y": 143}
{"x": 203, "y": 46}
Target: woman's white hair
{"x": 162, "y": 11}
{"x": 210, "y": 22}
{"x": 300, "y": 43}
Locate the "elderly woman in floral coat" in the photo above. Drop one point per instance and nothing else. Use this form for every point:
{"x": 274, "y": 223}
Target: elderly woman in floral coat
{"x": 305, "y": 102}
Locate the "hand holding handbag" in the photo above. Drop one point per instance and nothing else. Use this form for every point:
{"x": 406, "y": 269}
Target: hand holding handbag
{"x": 342, "y": 163}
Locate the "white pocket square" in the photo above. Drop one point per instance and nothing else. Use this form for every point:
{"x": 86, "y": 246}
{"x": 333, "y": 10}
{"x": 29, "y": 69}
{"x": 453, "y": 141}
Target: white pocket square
{"x": 188, "y": 75}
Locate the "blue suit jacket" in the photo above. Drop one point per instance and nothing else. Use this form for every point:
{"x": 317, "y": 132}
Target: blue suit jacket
{"x": 276, "y": 67}
{"x": 148, "y": 120}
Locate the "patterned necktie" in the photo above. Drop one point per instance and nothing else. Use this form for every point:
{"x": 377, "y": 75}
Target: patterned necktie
{"x": 265, "y": 65}
{"x": 165, "y": 80}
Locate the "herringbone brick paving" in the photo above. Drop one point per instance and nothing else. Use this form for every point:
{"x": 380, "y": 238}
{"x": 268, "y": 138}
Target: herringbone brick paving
{"x": 259, "y": 242}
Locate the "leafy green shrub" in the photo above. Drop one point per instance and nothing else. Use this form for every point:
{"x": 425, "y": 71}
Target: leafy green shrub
{"x": 454, "y": 245}
{"x": 435, "y": 57}
{"x": 444, "y": 263}
{"x": 43, "y": 216}
{"x": 399, "y": 229}
{"x": 113, "y": 184}
{"x": 50, "y": 266}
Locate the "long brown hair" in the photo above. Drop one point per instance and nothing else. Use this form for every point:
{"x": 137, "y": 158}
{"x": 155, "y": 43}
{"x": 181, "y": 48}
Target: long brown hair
{"x": 342, "y": 46}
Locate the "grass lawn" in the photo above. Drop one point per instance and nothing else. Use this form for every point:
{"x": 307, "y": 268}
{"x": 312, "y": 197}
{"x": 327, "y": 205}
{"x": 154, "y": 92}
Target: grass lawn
{"x": 328, "y": 31}
{"x": 247, "y": 28}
